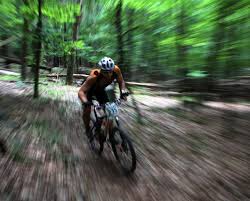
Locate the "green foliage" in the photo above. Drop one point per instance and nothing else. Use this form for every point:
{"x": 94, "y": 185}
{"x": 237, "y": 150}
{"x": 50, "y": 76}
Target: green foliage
{"x": 140, "y": 90}
{"x": 159, "y": 36}
{"x": 197, "y": 74}
{"x": 60, "y": 12}
{"x": 9, "y": 17}
{"x": 9, "y": 77}
{"x": 72, "y": 45}
{"x": 51, "y": 91}
{"x": 44, "y": 130}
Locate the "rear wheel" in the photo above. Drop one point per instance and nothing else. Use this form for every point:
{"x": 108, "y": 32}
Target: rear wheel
{"x": 123, "y": 150}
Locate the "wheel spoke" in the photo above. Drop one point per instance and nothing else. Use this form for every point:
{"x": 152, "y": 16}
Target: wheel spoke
{"x": 123, "y": 151}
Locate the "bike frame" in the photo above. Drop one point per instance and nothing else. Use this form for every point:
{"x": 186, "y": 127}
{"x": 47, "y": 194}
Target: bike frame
{"x": 105, "y": 121}
{"x": 104, "y": 131}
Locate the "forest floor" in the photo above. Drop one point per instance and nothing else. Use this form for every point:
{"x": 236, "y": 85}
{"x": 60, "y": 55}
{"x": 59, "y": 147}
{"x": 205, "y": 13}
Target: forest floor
{"x": 199, "y": 153}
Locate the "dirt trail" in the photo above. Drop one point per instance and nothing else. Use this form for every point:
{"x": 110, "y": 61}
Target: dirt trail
{"x": 183, "y": 154}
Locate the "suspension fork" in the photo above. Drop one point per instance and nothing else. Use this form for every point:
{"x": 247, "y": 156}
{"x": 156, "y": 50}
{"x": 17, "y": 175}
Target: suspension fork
{"x": 108, "y": 125}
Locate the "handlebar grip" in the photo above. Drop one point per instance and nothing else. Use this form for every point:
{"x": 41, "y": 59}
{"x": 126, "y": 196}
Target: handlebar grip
{"x": 125, "y": 94}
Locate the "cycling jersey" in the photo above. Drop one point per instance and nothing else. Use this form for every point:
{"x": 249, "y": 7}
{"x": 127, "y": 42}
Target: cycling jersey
{"x": 100, "y": 83}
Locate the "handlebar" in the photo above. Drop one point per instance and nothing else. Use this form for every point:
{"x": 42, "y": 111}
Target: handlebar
{"x": 117, "y": 101}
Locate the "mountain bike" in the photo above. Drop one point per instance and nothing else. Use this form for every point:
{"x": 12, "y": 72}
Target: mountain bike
{"x": 105, "y": 129}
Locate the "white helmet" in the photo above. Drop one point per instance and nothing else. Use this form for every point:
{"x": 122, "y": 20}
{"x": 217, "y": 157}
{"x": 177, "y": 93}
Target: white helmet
{"x": 106, "y": 64}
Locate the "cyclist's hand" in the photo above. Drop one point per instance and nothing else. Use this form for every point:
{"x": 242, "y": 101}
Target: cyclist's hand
{"x": 124, "y": 94}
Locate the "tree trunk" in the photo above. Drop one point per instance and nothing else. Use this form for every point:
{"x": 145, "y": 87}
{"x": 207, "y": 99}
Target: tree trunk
{"x": 38, "y": 48}
{"x": 55, "y": 61}
{"x": 24, "y": 48}
{"x": 24, "y": 45}
{"x": 5, "y": 50}
{"x": 181, "y": 32}
{"x": 70, "y": 70}
{"x": 64, "y": 39}
{"x": 120, "y": 45}
{"x": 225, "y": 8}
{"x": 130, "y": 44}
{"x": 71, "y": 66}
{"x": 231, "y": 66}
{"x": 215, "y": 49}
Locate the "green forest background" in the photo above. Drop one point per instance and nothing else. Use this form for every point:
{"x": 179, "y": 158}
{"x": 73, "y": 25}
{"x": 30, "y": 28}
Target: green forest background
{"x": 151, "y": 41}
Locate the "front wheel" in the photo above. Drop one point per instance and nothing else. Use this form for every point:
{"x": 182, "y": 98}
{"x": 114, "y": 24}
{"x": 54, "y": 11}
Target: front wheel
{"x": 123, "y": 150}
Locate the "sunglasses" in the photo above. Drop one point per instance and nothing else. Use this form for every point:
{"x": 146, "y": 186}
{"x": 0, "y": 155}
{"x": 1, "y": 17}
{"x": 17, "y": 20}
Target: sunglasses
{"x": 106, "y": 71}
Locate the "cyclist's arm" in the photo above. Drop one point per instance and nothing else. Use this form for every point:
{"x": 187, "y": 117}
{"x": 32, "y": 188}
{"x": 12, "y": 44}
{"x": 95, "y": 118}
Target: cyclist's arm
{"x": 82, "y": 94}
{"x": 122, "y": 86}
{"x": 120, "y": 80}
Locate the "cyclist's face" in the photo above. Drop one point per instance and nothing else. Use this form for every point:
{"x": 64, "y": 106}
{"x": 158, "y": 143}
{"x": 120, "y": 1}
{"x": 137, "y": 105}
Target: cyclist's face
{"x": 106, "y": 74}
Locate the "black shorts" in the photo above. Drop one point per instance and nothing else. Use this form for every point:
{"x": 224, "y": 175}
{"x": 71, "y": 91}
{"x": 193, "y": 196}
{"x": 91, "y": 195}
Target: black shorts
{"x": 100, "y": 96}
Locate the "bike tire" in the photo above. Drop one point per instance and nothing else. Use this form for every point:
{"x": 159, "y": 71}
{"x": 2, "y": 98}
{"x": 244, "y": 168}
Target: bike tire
{"x": 125, "y": 142}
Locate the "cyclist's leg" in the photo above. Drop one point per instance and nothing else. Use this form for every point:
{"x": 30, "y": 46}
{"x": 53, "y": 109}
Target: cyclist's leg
{"x": 86, "y": 118}
{"x": 86, "y": 114}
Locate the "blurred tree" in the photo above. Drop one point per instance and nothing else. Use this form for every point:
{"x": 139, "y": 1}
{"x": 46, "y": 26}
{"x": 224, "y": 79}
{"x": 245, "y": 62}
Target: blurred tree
{"x": 72, "y": 64}
{"x": 119, "y": 34}
{"x": 224, "y": 46}
{"x": 38, "y": 46}
{"x": 9, "y": 20}
{"x": 129, "y": 51}
{"x": 181, "y": 35}
{"x": 155, "y": 39}
{"x": 218, "y": 38}
{"x": 24, "y": 43}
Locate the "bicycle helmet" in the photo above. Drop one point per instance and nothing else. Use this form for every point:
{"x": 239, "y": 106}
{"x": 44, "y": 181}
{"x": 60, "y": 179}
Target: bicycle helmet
{"x": 106, "y": 64}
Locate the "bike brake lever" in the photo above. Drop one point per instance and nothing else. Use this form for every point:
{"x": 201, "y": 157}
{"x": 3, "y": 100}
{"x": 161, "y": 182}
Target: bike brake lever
{"x": 118, "y": 101}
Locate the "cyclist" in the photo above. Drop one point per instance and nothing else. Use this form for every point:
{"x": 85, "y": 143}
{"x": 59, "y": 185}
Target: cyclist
{"x": 95, "y": 85}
